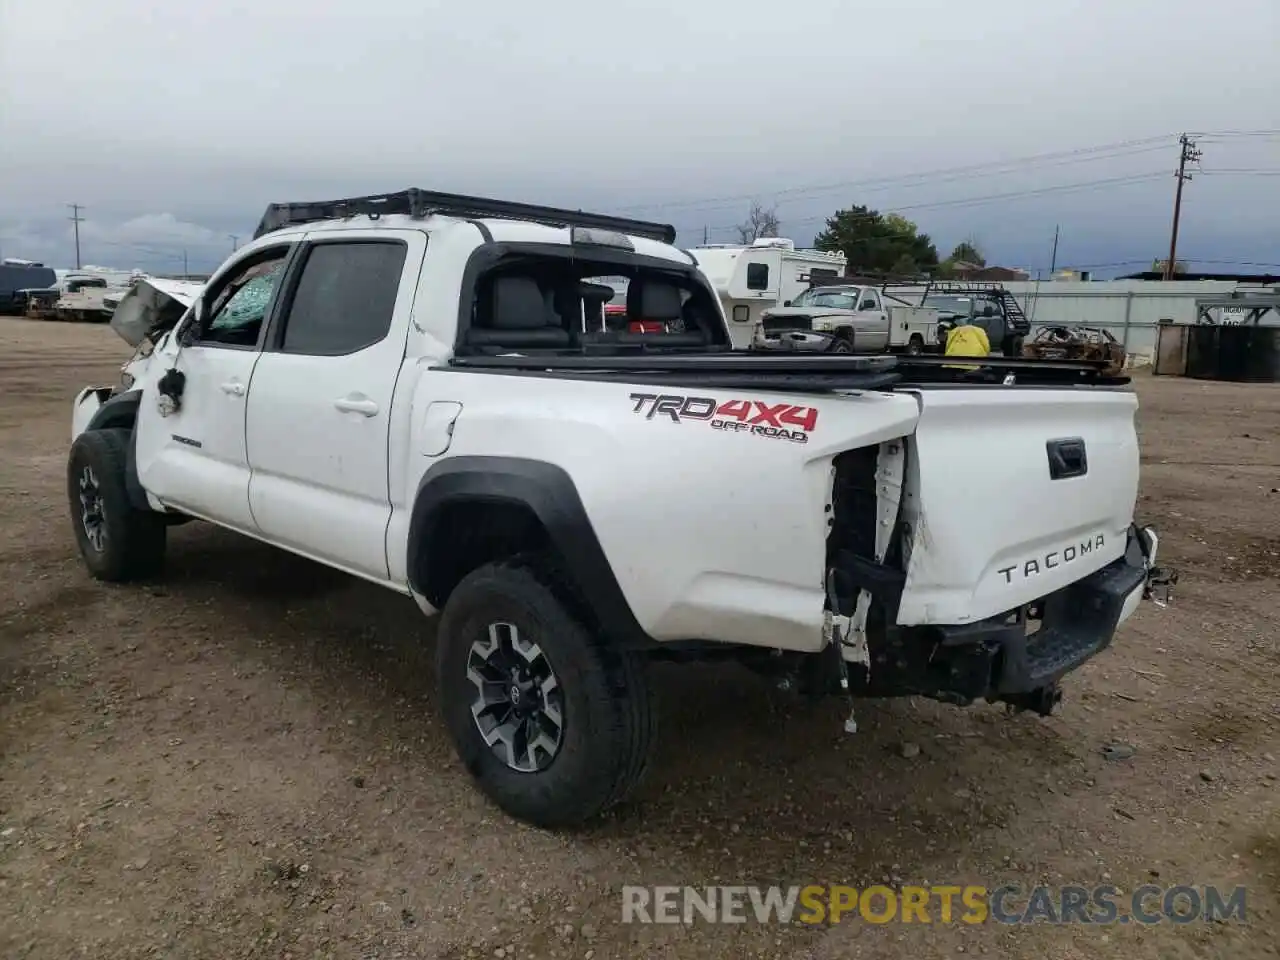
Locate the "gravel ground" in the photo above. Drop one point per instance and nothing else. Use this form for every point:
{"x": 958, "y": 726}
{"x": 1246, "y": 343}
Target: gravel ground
{"x": 244, "y": 760}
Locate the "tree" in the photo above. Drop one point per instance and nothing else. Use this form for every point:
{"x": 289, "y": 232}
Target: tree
{"x": 877, "y": 243}
{"x": 759, "y": 223}
{"x": 905, "y": 266}
{"x": 968, "y": 251}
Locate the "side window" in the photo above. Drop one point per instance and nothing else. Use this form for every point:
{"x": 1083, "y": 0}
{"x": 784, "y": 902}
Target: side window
{"x": 757, "y": 276}
{"x": 236, "y": 313}
{"x": 345, "y": 297}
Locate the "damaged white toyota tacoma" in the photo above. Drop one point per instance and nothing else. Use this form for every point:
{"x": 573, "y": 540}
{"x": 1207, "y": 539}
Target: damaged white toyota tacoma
{"x": 425, "y": 390}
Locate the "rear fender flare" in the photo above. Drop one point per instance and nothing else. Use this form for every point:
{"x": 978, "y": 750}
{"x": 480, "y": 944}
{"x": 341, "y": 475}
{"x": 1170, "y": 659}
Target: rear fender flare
{"x": 549, "y": 492}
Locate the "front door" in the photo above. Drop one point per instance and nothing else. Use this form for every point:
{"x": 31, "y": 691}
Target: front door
{"x": 191, "y": 451}
{"x": 872, "y": 325}
{"x": 320, "y": 409}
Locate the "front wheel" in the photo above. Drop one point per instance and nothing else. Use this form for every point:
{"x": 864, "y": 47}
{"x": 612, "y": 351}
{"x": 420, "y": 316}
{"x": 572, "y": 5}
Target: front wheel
{"x": 840, "y": 345}
{"x": 554, "y": 724}
{"x": 118, "y": 541}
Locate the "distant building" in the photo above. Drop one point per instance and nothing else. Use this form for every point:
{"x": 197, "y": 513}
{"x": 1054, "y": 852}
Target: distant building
{"x": 963, "y": 270}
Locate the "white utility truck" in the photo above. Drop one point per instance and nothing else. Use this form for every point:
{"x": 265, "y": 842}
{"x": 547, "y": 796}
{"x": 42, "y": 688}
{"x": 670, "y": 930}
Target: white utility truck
{"x": 760, "y": 276}
{"x": 847, "y": 318}
{"x": 404, "y": 387}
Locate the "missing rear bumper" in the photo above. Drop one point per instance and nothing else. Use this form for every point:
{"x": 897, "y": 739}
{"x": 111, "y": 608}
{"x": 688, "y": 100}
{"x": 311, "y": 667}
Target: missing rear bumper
{"x": 1020, "y": 657}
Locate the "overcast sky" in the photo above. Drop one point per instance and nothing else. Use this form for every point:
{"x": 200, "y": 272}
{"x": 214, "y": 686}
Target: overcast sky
{"x": 175, "y": 124}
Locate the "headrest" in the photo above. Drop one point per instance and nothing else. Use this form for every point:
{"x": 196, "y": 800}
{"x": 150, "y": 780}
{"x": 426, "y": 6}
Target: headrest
{"x": 651, "y": 300}
{"x": 595, "y": 291}
{"x": 518, "y": 304}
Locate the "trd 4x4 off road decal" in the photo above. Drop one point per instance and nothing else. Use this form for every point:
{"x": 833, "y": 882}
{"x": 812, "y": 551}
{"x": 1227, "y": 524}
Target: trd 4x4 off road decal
{"x": 781, "y": 421}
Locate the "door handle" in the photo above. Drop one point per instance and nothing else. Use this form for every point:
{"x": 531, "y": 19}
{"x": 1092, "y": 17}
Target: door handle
{"x": 364, "y": 407}
{"x": 233, "y": 387}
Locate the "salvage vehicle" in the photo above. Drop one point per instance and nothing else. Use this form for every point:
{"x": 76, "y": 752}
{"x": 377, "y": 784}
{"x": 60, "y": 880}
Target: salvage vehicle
{"x": 846, "y": 318}
{"x": 19, "y": 279}
{"x": 768, "y": 273}
{"x": 1060, "y": 342}
{"x": 402, "y": 387}
{"x": 982, "y": 303}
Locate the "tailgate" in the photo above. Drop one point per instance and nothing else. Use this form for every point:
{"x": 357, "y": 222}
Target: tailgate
{"x": 992, "y": 528}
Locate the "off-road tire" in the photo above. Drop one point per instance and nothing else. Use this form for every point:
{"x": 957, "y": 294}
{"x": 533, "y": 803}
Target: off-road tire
{"x": 608, "y": 718}
{"x": 132, "y": 544}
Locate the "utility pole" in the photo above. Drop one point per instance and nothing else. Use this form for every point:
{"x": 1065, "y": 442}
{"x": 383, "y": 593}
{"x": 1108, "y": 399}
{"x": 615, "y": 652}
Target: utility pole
{"x": 235, "y": 242}
{"x": 1053, "y": 261}
{"x": 185, "y": 272}
{"x": 1187, "y": 153}
{"x": 706, "y": 235}
{"x": 77, "y": 220}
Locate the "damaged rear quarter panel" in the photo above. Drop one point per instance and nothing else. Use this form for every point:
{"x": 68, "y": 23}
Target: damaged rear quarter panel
{"x": 712, "y": 534}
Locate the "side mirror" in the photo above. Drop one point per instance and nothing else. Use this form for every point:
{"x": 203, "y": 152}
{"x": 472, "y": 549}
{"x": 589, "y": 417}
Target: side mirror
{"x": 786, "y": 303}
{"x": 988, "y": 311}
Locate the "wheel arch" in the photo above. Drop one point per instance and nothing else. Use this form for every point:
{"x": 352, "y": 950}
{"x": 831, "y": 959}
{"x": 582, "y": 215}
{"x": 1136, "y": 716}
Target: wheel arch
{"x": 542, "y": 503}
{"x": 120, "y": 412}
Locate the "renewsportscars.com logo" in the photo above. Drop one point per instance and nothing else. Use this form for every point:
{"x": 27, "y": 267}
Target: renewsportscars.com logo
{"x": 779, "y": 421}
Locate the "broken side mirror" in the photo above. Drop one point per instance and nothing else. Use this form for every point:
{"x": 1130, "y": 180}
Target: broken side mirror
{"x": 189, "y": 331}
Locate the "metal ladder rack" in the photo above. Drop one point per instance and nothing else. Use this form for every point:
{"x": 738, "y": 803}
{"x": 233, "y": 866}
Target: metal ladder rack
{"x": 419, "y": 204}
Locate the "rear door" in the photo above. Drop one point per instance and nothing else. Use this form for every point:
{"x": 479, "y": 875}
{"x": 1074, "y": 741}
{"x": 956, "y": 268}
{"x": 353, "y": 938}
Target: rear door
{"x": 320, "y": 404}
{"x": 190, "y": 445}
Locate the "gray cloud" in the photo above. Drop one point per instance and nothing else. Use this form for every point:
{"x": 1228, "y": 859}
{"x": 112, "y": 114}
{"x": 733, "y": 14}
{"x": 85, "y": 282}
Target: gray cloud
{"x": 175, "y": 125}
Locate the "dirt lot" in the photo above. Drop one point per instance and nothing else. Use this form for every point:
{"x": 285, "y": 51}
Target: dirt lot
{"x": 243, "y": 760}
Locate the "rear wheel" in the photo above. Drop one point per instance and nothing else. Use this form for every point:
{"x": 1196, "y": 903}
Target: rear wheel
{"x": 554, "y": 725}
{"x": 117, "y": 541}
{"x": 915, "y": 346}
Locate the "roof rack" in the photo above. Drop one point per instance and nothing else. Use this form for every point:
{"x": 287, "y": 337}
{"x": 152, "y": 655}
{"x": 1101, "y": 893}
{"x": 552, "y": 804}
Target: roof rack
{"x": 423, "y": 203}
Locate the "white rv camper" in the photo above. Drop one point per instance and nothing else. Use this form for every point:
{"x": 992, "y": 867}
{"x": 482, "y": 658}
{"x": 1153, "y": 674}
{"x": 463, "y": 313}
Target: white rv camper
{"x": 767, "y": 273}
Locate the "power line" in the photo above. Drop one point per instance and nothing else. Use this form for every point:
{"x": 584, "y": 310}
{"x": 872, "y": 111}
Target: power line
{"x": 989, "y": 168}
{"x": 1205, "y": 135}
{"x": 987, "y": 198}
{"x": 76, "y": 219}
{"x": 1242, "y": 171}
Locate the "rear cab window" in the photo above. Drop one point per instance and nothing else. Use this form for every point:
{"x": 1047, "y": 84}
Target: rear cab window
{"x": 565, "y": 299}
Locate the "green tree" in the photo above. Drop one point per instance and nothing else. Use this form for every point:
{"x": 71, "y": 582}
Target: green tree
{"x": 905, "y": 267}
{"x": 968, "y": 251}
{"x": 877, "y": 243}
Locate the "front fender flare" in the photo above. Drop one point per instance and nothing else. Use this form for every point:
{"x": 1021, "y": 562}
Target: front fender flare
{"x": 550, "y": 493}
{"x": 120, "y": 412}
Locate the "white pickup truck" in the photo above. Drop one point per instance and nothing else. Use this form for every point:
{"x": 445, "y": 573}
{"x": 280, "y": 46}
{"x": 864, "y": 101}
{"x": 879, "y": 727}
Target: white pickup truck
{"x": 415, "y": 388}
